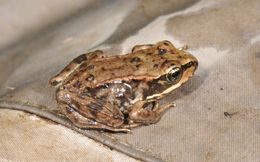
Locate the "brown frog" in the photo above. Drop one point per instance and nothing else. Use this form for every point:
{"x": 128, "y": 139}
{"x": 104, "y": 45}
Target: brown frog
{"x": 117, "y": 93}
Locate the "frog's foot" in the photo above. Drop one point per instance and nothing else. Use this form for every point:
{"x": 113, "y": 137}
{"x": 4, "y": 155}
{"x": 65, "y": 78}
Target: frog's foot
{"x": 82, "y": 122}
{"x": 141, "y": 47}
{"x": 141, "y": 114}
{"x": 183, "y": 48}
{"x": 72, "y": 67}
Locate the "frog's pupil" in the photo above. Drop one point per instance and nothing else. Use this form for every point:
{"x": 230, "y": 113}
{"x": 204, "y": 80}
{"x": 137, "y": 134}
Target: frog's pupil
{"x": 174, "y": 75}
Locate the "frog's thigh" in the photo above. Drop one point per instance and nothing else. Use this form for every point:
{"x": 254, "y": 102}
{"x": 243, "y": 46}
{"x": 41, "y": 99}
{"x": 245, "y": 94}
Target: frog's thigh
{"x": 145, "y": 116}
{"x": 141, "y": 47}
{"x": 74, "y": 65}
{"x": 83, "y": 122}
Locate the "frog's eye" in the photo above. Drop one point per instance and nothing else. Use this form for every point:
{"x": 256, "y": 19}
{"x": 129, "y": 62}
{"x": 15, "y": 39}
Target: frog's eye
{"x": 162, "y": 51}
{"x": 174, "y": 75}
{"x": 164, "y": 47}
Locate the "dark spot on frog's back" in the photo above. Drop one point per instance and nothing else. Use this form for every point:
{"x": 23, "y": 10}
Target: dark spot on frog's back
{"x": 135, "y": 59}
{"x": 155, "y": 65}
{"x": 90, "y": 67}
{"x": 82, "y": 71}
{"x": 165, "y": 62}
{"x": 137, "y": 66}
{"x": 76, "y": 75}
{"x": 80, "y": 58}
{"x": 179, "y": 57}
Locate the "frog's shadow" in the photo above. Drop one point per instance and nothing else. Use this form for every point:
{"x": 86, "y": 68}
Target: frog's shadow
{"x": 191, "y": 86}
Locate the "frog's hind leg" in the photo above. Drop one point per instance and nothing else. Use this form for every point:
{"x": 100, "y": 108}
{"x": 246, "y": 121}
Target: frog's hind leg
{"x": 141, "y": 114}
{"x": 74, "y": 65}
{"x": 82, "y": 122}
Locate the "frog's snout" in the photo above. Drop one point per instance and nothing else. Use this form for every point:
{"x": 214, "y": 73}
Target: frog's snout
{"x": 195, "y": 64}
{"x": 193, "y": 61}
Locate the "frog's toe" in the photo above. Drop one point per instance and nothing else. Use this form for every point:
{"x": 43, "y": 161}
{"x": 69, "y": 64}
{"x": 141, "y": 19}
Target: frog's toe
{"x": 183, "y": 48}
{"x": 173, "y": 104}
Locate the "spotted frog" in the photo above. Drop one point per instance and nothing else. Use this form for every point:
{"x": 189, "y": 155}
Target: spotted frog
{"x": 117, "y": 93}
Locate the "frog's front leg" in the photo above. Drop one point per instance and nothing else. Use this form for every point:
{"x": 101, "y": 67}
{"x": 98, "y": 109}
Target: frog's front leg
{"x": 140, "y": 114}
{"x": 72, "y": 67}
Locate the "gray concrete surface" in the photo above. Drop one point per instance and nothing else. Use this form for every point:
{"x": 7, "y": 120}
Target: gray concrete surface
{"x": 223, "y": 35}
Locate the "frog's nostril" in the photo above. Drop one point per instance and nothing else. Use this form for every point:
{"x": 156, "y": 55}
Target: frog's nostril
{"x": 189, "y": 64}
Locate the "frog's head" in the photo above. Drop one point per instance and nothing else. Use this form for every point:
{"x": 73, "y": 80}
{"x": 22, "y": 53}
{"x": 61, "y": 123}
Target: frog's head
{"x": 178, "y": 66}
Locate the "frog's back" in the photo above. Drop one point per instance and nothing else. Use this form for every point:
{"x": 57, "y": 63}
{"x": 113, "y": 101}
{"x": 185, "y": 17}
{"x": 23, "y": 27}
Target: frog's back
{"x": 143, "y": 65}
{"x": 125, "y": 67}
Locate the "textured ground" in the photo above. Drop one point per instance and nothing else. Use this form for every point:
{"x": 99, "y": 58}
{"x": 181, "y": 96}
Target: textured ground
{"x": 223, "y": 35}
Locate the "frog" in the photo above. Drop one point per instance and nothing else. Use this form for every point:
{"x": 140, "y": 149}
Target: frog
{"x": 119, "y": 92}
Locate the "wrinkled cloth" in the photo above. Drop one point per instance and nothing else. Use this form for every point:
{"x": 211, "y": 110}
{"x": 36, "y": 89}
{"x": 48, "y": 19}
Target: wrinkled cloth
{"x": 217, "y": 117}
